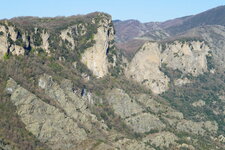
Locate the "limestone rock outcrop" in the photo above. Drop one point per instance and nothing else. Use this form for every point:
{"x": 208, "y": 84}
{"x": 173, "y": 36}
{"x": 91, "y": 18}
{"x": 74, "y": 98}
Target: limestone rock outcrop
{"x": 14, "y": 41}
{"x": 180, "y": 82}
{"x": 95, "y": 57}
{"x": 3, "y": 41}
{"x": 161, "y": 139}
{"x": 187, "y": 57}
{"x": 71, "y": 103}
{"x": 46, "y": 122}
{"x": 8, "y": 38}
{"x": 127, "y": 144}
{"x": 145, "y": 68}
{"x": 45, "y": 44}
{"x": 66, "y": 35}
{"x": 122, "y": 104}
{"x": 199, "y": 128}
{"x": 199, "y": 103}
{"x": 145, "y": 122}
{"x": 133, "y": 113}
{"x": 87, "y": 39}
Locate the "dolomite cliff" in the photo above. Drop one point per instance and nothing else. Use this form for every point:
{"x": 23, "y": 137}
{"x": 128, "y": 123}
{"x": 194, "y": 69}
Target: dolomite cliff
{"x": 95, "y": 57}
{"x": 15, "y": 42}
{"x": 7, "y": 37}
{"x": 187, "y": 57}
{"x": 90, "y": 41}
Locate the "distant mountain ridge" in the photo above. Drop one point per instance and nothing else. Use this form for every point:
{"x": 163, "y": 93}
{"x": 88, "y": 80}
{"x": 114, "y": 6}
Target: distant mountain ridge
{"x": 215, "y": 16}
{"x": 133, "y": 31}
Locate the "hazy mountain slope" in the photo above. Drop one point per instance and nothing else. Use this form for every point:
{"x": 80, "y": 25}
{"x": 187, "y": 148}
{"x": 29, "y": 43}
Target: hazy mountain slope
{"x": 128, "y": 29}
{"x": 131, "y": 34}
{"x": 215, "y": 16}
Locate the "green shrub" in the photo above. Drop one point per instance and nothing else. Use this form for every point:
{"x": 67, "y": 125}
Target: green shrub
{"x": 37, "y": 39}
{"x": 210, "y": 63}
{"x": 10, "y": 40}
{"x": 6, "y": 56}
{"x": 111, "y": 51}
{"x": 55, "y": 67}
{"x": 19, "y": 42}
{"x": 1, "y": 33}
{"x": 163, "y": 47}
{"x": 171, "y": 73}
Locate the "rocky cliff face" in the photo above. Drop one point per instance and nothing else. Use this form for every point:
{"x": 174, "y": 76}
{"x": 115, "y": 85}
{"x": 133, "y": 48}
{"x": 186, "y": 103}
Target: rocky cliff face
{"x": 16, "y": 41}
{"x": 95, "y": 57}
{"x": 8, "y": 37}
{"x": 145, "y": 66}
{"x": 187, "y": 57}
{"x": 46, "y": 122}
{"x": 90, "y": 40}
{"x": 214, "y": 36}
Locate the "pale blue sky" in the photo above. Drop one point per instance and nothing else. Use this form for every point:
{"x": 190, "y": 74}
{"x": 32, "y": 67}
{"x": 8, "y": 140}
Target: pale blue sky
{"x": 143, "y": 10}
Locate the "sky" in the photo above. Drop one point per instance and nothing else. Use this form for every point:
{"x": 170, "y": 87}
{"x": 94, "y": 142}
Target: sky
{"x": 142, "y": 10}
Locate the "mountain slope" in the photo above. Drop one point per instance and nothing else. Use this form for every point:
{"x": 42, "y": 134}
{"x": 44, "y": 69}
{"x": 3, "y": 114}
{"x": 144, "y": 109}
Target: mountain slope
{"x": 215, "y": 16}
{"x": 164, "y": 65}
{"x": 67, "y": 86}
{"x": 131, "y": 34}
